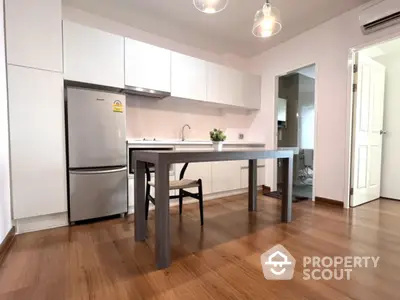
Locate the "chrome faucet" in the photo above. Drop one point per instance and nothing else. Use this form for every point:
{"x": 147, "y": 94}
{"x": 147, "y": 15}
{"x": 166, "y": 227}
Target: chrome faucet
{"x": 183, "y": 131}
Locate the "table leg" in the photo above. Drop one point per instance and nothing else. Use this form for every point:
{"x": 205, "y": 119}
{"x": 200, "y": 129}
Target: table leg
{"x": 253, "y": 185}
{"x": 287, "y": 193}
{"x": 163, "y": 251}
{"x": 140, "y": 219}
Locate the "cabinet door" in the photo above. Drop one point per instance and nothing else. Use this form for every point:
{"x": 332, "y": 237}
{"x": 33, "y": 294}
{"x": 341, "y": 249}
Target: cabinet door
{"x": 188, "y": 77}
{"x": 131, "y": 193}
{"x": 131, "y": 190}
{"x": 197, "y": 171}
{"x": 147, "y": 66}
{"x": 251, "y": 91}
{"x": 225, "y": 176}
{"x": 224, "y": 85}
{"x": 37, "y": 145}
{"x": 218, "y": 84}
{"x": 34, "y": 35}
{"x": 244, "y": 178}
{"x": 236, "y": 87}
{"x": 153, "y": 190}
{"x": 93, "y": 56}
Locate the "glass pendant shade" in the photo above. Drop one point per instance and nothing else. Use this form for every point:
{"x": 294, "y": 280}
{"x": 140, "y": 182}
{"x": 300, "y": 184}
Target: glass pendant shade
{"x": 267, "y": 21}
{"x": 210, "y": 6}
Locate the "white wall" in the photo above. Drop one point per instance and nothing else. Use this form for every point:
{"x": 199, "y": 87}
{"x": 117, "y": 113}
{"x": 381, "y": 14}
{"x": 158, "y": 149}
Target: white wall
{"x": 5, "y": 202}
{"x": 328, "y": 46}
{"x": 163, "y": 119}
{"x": 391, "y": 141}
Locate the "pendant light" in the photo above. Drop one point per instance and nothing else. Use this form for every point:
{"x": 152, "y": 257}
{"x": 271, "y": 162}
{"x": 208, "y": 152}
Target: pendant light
{"x": 267, "y": 21}
{"x": 210, "y": 6}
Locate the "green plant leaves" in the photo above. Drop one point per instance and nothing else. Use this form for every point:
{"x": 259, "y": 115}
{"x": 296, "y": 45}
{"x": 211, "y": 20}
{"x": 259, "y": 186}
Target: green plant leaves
{"x": 217, "y": 135}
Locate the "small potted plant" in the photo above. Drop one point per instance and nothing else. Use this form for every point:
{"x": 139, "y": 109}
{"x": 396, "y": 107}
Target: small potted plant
{"x": 217, "y": 136}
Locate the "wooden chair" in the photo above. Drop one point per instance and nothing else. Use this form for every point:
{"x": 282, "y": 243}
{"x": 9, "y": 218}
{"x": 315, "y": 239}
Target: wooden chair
{"x": 180, "y": 185}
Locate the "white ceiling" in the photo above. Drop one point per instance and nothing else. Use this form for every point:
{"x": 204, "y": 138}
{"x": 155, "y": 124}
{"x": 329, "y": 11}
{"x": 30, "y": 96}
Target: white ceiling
{"x": 226, "y": 32}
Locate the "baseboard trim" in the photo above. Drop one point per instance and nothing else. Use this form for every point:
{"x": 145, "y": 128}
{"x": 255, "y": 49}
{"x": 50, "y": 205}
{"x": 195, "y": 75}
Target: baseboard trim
{"x": 6, "y": 245}
{"x": 41, "y": 223}
{"x": 387, "y": 198}
{"x": 322, "y": 200}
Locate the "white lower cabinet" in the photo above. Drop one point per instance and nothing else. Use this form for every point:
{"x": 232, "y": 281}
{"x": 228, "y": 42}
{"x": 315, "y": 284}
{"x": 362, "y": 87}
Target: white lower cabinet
{"x": 244, "y": 177}
{"x": 131, "y": 193}
{"x": 131, "y": 189}
{"x": 225, "y": 176}
{"x": 197, "y": 171}
{"x": 37, "y": 142}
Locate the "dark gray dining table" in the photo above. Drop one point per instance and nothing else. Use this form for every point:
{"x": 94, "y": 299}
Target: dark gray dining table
{"x": 163, "y": 159}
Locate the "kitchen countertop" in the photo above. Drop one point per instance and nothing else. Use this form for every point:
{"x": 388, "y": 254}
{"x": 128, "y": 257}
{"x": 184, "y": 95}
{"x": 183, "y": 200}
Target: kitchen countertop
{"x": 193, "y": 142}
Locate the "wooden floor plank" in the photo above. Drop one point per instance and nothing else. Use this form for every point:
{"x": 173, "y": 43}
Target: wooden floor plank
{"x": 219, "y": 261}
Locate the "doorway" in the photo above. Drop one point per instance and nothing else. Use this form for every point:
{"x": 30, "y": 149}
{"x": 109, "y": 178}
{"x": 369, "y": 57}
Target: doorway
{"x": 375, "y": 125}
{"x": 295, "y": 128}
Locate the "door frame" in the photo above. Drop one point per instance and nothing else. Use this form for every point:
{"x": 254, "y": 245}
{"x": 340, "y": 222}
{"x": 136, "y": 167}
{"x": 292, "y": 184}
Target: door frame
{"x": 275, "y": 169}
{"x": 353, "y": 59}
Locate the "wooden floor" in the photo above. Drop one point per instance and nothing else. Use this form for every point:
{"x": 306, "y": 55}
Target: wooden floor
{"x": 220, "y": 261}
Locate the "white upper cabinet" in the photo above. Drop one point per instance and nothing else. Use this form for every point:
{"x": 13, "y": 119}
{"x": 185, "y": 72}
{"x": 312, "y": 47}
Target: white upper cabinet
{"x": 188, "y": 77}
{"x": 34, "y": 34}
{"x": 93, "y": 56}
{"x": 147, "y": 66}
{"x": 232, "y": 87}
{"x": 251, "y": 91}
{"x": 37, "y": 142}
{"x": 218, "y": 84}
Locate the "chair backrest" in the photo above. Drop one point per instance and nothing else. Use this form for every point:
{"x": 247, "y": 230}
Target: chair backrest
{"x": 183, "y": 171}
{"x": 146, "y": 166}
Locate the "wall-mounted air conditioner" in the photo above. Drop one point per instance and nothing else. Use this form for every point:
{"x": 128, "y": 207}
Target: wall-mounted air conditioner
{"x": 380, "y": 15}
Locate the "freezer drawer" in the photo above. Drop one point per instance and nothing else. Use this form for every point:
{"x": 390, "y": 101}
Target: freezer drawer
{"x": 95, "y": 193}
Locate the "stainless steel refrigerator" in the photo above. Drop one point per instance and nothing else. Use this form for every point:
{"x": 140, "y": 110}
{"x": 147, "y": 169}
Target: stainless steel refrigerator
{"x": 97, "y": 167}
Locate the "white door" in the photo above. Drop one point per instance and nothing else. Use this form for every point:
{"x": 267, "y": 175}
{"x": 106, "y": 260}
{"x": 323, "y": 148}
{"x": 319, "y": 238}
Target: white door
{"x": 367, "y": 138}
{"x": 391, "y": 141}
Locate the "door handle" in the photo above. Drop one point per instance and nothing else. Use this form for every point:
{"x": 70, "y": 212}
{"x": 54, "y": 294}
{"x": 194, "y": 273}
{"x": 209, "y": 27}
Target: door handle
{"x": 382, "y": 132}
{"x": 83, "y": 172}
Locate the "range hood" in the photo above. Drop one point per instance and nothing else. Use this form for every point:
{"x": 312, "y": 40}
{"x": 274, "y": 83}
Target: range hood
{"x": 132, "y": 90}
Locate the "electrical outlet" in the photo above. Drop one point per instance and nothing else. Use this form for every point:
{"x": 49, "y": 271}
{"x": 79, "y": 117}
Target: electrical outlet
{"x": 241, "y": 136}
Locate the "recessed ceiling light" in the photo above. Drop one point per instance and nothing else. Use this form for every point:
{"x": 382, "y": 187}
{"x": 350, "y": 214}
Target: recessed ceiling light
{"x": 210, "y": 6}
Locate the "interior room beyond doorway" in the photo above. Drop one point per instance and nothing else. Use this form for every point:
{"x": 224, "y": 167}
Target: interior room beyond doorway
{"x": 295, "y": 128}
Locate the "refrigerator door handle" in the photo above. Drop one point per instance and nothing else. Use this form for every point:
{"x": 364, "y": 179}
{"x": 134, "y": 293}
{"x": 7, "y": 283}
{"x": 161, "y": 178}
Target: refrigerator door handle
{"x": 98, "y": 172}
